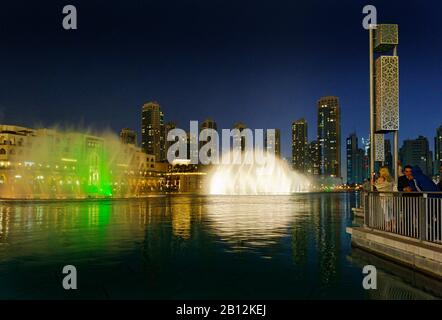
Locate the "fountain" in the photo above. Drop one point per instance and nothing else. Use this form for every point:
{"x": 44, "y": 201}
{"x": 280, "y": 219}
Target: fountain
{"x": 268, "y": 176}
{"x": 66, "y": 164}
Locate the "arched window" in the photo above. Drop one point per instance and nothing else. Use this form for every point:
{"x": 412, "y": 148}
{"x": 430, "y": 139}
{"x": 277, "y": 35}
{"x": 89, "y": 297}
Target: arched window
{"x": 2, "y": 151}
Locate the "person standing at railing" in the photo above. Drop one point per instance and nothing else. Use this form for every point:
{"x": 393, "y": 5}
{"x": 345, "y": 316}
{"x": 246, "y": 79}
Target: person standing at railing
{"x": 433, "y": 219}
{"x": 406, "y": 182}
{"x": 366, "y": 185}
{"x": 439, "y": 184}
{"x": 438, "y": 228}
{"x": 422, "y": 182}
{"x": 385, "y": 184}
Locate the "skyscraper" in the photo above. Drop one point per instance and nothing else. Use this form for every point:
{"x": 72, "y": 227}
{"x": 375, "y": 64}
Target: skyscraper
{"x": 366, "y": 158}
{"x": 153, "y": 131}
{"x": 355, "y": 160}
{"x": 192, "y": 139}
{"x": 168, "y": 127}
{"x": 329, "y": 136}
{"x": 277, "y": 142}
{"x": 438, "y": 149}
{"x": 388, "y": 157}
{"x": 417, "y": 153}
{"x": 300, "y": 145}
{"x": 240, "y": 140}
{"x": 274, "y": 145}
{"x": 208, "y": 124}
{"x": 313, "y": 165}
{"x": 128, "y": 136}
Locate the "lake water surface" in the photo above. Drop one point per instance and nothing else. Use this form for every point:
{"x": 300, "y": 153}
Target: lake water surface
{"x": 194, "y": 247}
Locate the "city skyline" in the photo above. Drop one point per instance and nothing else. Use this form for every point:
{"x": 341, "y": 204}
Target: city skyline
{"x": 310, "y": 165}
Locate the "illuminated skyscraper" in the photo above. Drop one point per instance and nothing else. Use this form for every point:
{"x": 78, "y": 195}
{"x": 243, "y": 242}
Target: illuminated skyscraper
{"x": 128, "y": 136}
{"x": 329, "y": 136}
{"x": 208, "y": 124}
{"x": 240, "y": 140}
{"x": 274, "y": 143}
{"x": 438, "y": 149}
{"x": 153, "y": 131}
{"x": 313, "y": 164}
{"x": 366, "y": 159}
{"x": 300, "y": 145}
{"x": 355, "y": 160}
{"x": 167, "y": 127}
{"x": 388, "y": 155}
{"x": 417, "y": 153}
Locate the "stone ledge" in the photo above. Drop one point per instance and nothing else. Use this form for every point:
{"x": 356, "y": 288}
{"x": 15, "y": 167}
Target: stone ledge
{"x": 423, "y": 256}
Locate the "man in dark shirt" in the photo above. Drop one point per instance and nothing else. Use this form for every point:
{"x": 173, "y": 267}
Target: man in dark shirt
{"x": 406, "y": 182}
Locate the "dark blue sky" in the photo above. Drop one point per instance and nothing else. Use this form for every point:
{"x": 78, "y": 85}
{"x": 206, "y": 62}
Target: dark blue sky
{"x": 261, "y": 62}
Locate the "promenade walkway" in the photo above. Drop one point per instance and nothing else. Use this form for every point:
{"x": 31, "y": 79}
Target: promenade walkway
{"x": 403, "y": 227}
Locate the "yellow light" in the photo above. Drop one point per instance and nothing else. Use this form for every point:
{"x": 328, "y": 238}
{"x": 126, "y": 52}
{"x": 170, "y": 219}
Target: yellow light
{"x": 68, "y": 160}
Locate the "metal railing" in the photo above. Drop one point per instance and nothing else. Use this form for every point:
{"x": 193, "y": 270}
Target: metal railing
{"x": 416, "y": 215}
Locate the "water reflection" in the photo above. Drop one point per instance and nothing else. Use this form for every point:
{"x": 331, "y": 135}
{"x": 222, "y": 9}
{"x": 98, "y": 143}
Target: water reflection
{"x": 287, "y": 247}
{"x": 395, "y": 281}
{"x": 250, "y": 222}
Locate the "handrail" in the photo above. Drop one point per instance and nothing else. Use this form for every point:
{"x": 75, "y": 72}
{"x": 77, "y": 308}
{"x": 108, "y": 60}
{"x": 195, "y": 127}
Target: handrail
{"x": 415, "y": 215}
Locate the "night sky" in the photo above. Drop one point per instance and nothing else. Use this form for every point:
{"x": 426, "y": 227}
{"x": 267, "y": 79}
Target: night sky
{"x": 261, "y": 62}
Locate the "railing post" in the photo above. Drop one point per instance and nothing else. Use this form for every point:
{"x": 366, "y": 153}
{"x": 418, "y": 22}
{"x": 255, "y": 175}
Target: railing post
{"x": 422, "y": 218}
{"x": 367, "y": 210}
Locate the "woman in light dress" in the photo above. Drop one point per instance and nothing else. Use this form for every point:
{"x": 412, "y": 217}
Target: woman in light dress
{"x": 385, "y": 184}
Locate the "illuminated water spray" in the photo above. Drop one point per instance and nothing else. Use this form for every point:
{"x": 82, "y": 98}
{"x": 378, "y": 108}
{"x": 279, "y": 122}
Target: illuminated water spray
{"x": 268, "y": 175}
{"x": 61, "y": 164}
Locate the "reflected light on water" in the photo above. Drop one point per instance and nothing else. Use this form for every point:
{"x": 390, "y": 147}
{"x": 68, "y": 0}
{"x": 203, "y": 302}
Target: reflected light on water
{"x": 248, "y": 223}
{"x": 188, "y": 246}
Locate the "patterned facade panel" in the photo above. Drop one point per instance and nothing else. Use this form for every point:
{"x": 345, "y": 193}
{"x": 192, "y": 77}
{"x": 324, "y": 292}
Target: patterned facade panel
{"x": 386, "y": 37}
{"x": 379, "y": 146}
{"x": 387, "y": 93}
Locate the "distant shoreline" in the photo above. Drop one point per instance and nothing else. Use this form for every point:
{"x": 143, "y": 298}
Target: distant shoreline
{"x": 159, "y": 195}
